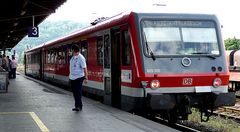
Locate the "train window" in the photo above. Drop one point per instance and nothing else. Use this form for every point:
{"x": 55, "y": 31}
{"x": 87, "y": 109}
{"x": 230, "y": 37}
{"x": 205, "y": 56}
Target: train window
{"x": 69, "y": 52}
{"x": 100, "y": 51}
{"x": 180, "y": 38}
{"x": 29, "y": 59}
{"x": 84, "y": 49}
{"x": 199, "y": 40}
{"x": 52, "y": 57}
{"x": 126, "y": 48}
{"x": 37, "y": 58}
{"x": 45, "y": 57}
{"x": 34, "y": 58}
{"x": 64, "y": 56}
{"x": 59, "y": 58}
{"x": 107, "y": 51}
{"x": 55, "y": 57}
{"x": 49, "y": 57}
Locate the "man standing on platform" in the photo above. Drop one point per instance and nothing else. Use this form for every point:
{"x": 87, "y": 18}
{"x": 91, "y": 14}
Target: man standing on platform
{"x": 13, "y": 67}
{"x": 78, "y": 74}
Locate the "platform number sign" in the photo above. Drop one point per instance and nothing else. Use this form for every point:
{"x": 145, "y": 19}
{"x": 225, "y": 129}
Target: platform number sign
{"x": 33, "y": 32}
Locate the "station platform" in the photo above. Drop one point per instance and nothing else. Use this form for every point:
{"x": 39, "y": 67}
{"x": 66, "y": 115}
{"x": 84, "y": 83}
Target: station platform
{"x": 34, "y": 106}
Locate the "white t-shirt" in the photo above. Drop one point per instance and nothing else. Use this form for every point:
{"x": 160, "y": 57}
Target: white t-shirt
{"x": 13, "y": 64}
{"x": 76, "y": 68}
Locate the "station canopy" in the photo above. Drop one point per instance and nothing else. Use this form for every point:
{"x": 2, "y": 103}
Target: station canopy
{"x": 16, "y": 16}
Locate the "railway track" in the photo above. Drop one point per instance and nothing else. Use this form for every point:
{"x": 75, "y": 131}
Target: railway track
{"x": 230, "y": 112}
{"x": 226, "y": 112}
{"x": 176, "y": 126}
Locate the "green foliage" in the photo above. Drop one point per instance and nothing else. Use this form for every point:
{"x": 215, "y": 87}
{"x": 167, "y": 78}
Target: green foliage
{"x": 232, "y": 44}
{"x": 47, "y": 31}
{"x": 216, "y": 122}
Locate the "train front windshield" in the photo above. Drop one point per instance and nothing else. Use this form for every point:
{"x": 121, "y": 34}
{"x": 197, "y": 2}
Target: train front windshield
{"x": 177, "y": 38}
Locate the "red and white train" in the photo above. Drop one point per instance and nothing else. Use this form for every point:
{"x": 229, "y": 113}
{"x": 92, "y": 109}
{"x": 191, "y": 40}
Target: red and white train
{"x": 159, "y": 62}
{"x": 233, "y": 59}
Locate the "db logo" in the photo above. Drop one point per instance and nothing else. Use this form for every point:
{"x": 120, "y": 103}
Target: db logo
{"x": 187, "y": 81}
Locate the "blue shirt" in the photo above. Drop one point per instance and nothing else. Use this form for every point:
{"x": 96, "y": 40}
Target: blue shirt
{"x": 76, "y": 68}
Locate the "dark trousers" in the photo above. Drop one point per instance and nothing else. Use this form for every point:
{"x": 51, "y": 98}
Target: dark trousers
{"x": 77, "y": 91}
{"x": 13, "y": 71}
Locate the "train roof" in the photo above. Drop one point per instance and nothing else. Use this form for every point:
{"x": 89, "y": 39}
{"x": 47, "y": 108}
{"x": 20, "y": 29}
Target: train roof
{"x": 118, "y": 19}
{"x": 109, "y": 21}
{"x": 35, "y": 48}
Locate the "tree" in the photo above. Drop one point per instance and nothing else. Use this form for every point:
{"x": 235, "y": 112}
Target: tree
{"x": 232, "y": 44}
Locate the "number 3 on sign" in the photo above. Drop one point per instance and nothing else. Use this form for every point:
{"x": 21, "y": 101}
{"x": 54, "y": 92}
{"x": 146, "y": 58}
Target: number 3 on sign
{"x": 33, "y": 32}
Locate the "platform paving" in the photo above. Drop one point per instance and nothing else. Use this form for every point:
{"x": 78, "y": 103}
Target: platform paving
{"x": 32, "y": 107}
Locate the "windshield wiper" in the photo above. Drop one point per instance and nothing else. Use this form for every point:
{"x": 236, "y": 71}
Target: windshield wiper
{"x": 207, "y": 54}
{"x": 148, "y": 48}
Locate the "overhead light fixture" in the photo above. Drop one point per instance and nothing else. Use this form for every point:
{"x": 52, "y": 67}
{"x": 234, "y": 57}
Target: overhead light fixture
{"x": 15, "y": 39}
{"x": 23, "y": 12}
{"x": 157, "y": 4}
{"x": 15, "y": 24}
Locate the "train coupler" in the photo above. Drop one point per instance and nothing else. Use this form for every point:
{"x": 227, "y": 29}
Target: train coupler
{"x": 185, "y": 107}
{"x": 205, "y": 114}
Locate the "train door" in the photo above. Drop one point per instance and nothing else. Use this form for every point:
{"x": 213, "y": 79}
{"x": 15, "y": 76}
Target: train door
{"x": 115, "y": 69}
{"x": 107, "y": 68}
{"x": 112, "y": 91}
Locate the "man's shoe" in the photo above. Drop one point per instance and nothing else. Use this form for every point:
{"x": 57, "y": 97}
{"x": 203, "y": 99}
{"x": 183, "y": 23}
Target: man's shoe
{"x": 75, "y": 109}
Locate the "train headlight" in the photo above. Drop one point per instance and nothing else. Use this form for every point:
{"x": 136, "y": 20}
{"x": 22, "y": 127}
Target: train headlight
{"x": 217, "y": 82}
{"x": 155, "y": 84}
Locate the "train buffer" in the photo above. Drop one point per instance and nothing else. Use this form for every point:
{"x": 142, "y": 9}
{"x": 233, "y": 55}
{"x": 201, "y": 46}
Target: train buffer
{"x": 30, "y": 106}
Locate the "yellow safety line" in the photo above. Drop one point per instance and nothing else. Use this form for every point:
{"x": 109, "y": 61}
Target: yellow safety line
{"x": 39, "y": 122}
{"x": 9, "y": 113}
{"x": 34, "y": 117}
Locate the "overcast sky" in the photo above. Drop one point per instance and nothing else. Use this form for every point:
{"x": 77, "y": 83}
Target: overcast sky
{"x": 88, "y": 10}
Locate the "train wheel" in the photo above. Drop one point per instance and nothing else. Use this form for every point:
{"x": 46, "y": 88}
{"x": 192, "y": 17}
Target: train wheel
{"x": 169, "y": 115}
{"x": 172, "y": 116}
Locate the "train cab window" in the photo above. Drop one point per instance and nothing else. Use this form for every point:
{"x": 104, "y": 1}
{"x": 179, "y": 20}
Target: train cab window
{"x": 100, "y": 51}
{"x": 178, "y": 38}
{"x": 126, "y": 48}
{"x": 84, "y": 49}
